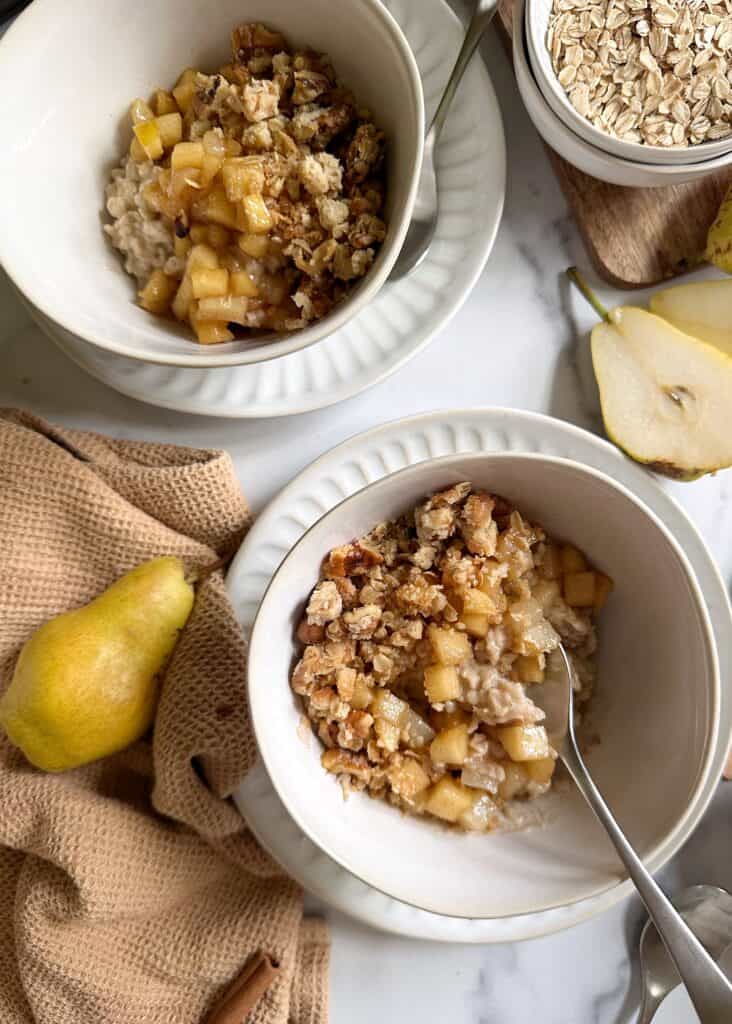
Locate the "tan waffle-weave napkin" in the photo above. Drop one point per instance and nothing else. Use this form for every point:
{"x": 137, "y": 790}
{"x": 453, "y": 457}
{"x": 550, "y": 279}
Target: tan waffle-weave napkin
{"x": 130, "y": 890}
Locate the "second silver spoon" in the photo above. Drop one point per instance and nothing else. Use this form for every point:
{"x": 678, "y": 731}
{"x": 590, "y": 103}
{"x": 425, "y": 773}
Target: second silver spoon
{"x": 424, "y": 216}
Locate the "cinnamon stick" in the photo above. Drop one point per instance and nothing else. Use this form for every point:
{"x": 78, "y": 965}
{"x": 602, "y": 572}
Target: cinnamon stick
{"x": 245, "y": 991}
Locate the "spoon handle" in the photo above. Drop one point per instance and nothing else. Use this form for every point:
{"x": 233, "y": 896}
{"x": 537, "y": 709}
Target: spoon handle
{"x": 482, "y": 15}
{"x": 708, "y": 988}
{"x": 649, "y": 1005}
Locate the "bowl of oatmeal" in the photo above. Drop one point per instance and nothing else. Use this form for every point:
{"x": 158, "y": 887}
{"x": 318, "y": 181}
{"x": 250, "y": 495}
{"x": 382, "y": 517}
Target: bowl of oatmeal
{"x": 392, "y": 666}
{"x": 236, "y": 185}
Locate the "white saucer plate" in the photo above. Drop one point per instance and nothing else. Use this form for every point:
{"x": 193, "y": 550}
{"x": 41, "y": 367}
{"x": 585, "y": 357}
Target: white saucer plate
{"x": 405, "y": 315}
{"x": 343, "y": 471}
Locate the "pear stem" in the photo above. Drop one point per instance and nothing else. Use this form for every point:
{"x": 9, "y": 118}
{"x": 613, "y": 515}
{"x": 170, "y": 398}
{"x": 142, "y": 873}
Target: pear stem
{"x": 577, "y": 279}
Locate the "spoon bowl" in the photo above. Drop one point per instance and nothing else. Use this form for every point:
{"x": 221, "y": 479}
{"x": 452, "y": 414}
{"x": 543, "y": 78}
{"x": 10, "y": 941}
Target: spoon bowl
{"x": 707, "y": 910}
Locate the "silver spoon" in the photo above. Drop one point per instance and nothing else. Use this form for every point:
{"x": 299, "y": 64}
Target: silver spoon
{"x": 708, "y": 912}
{"x": 424, "y": 216}
{"x": 708, "y": 988}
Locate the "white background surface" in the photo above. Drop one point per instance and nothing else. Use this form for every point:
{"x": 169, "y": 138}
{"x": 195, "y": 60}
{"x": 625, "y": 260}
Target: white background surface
{"x": 520, "y": 340}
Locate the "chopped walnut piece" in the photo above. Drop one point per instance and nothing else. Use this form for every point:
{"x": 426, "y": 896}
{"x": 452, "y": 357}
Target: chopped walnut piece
{"x": 341, "y": 761}
{"x": 346, "y": 683}
{"x": 308, "y": 86}
{"x": 349, "y": 264}
{"x": 362, "y": 621}
{"x": 367, "y": 231}
{"x": 352, "y": 559}
{"x": 308, "y": 633}
{"x": 260, "y": 100}
{"x": 320, "y": 125}
{"x": 364, "y": 153}
{"x": 248, "y": 39}
{"x": 477, "y": 525}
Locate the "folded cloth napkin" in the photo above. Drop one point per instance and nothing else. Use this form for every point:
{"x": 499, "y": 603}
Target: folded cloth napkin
{"x": 131, "y": 892}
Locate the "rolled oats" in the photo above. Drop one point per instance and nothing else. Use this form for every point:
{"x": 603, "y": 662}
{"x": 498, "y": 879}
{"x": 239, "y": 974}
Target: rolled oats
{"x": 618, "y": 60}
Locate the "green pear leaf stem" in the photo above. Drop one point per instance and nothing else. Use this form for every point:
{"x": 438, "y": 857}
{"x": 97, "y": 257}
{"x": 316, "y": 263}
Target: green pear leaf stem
{"x": 578, "y": 280}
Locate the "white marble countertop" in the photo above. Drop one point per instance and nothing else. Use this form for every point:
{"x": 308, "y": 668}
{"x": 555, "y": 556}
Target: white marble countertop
{"x": 520, "y": 340}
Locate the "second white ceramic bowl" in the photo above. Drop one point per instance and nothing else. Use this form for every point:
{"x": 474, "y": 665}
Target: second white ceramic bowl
{"x": 583, "y": 155}
{"x": 59, "y": 144}
{"x": 538, "y": 13}
{"x": 656, "y": 709}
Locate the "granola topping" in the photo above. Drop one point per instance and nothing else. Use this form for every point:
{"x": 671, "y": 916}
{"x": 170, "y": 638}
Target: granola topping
{"x": 419, "y": 643}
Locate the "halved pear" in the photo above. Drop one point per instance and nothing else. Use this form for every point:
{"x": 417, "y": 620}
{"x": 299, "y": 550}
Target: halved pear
{"x": 703, "y": 309}
{"x": 665, "y": 395}
{"x": 719, "y": 238}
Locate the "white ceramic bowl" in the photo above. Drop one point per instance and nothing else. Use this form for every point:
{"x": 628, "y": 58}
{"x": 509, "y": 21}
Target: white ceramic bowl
{"x": 71, "y": 128}
{"x": 537, "y": 22}
{"x": 656, "y": 709}
{"x": 576, "y": 151}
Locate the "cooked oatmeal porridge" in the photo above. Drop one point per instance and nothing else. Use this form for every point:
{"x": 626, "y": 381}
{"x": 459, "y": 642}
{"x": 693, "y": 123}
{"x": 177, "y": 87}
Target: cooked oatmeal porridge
{"x": 419, "y": 642}
{"x": 251, "y": 200}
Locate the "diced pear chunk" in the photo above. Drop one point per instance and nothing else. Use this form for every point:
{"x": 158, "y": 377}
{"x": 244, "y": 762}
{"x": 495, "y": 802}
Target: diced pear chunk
{"x": 551, "y": 565}
{"x": 257, "y": 218}
{"x": 446, "y": 719}
{"x": 209, "y": 283}
{"x": 571, "y": 559}
{"x": 476, "y": 625}
{"x": 524, "y": 742}
{"x": 170, "y": 127}
{"x": 253, "y": 245}
{"x": 603, "y": 587}
{"x": 416, "y": 733}
{"x": 164, "y": 102}
{"x": 529, "y": 668}
{"x": 147, "y": 134}
{"x": 476, "y": 602}
{"x": 388, "y": 706}
{"x": 137, "y": 153}
{"x": 209, "y": 333}
{"x": 201, "y": 256}
{"x": 242, "y": 176}
{"x": 227, "y": 309}
{"x": 481, "y": 816}
{"x": 514, "y": 780}
{"x": 158, "y": 292}
{"x": 541, "y": 771}
{"x": 140, "y": 111}
{"x": 242, "y": 284}
{"x": 185, "y": 89}
{"x": 449, "y": 646}
{"x": 215, "y": 208}
{"x": 450, "y": 746}
{"x": 448, "y": 799}
{"x": 579, "y": 589}
{"x": 183, "y": 298}
{"x": 187, "y": 154}
{"x": 441, "y": 683}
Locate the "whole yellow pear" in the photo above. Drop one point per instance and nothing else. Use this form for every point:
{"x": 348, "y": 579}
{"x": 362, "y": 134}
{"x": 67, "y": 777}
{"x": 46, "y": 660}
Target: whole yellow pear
{"x": 86, "y": 682}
